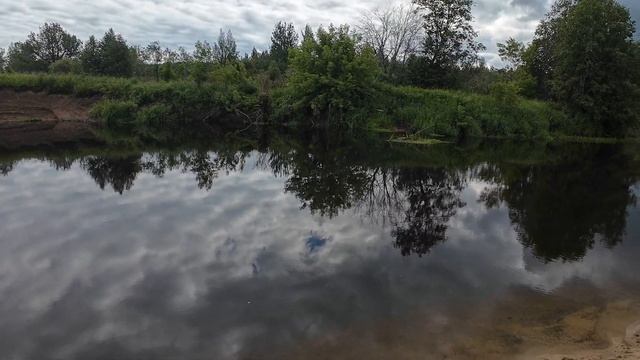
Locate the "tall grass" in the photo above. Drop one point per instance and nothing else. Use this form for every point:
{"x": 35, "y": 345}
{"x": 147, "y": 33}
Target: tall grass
{"x": 124, "y": 101}
{"x": 454, "y": 113}
{"x": 127, "y": 103}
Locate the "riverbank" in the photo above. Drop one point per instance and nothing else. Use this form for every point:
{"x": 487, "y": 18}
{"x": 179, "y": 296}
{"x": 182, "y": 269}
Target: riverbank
{"x": 129, "y": 102}
{"x": 133, "y": 104}
{"x": 31, "y": 119}
{"x": 412, "y": 115}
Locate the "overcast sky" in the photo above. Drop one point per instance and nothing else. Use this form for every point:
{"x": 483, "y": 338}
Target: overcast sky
{"x": 179, "y": 23}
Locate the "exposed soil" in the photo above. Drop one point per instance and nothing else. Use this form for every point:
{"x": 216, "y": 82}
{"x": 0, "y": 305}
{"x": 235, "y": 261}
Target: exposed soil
{"x": 30, "y": 119}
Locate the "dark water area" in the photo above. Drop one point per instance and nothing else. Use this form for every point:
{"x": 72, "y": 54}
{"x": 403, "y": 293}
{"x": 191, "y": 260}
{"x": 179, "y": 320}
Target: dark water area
{"x": 278, "y": 249}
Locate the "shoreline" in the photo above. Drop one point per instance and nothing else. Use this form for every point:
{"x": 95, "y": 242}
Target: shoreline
{"x": 622, "y": 346}
{"x": 34, "y": 119}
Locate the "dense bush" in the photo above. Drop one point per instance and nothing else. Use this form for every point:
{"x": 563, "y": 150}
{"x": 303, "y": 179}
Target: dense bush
{"x": 595, "y": 56}
{"x": 118, "y": 114}
{"x": 66, "y": 66}
{"x": 454, "y": 114}
{"x": 177, "y": 101}
{"x": 331, "y": 79}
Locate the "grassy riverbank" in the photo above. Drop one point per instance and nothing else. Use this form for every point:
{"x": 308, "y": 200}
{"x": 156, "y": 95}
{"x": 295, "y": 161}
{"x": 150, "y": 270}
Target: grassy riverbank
{"x": 130, "y": 103}
{"x": 453, "y": 114}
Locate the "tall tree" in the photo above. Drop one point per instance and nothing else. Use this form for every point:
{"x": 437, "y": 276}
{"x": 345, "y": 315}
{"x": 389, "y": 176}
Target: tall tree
{"x": 203, "y": 58}
{"x": 283, "y": 38}
{"x": 39, "y": 51}
{"x": 331, "y": 77}
{"x": 115, "y": 55}
{"x": 225, "y": 50}
{"x": 53, "y": 43}
{"x": 594, "y": 53}
{"x": 511, "y": 53}
{"x": 393, "y": 33}
{"x": 90, "y": 57}
{"x": 184, "y": 60}
{"x": 449, "y": 38}
{"x": 307, "y": 33}
{"x": 169, "y": 58}
{"x": 539, "y": 56}
{"x": 3, "y": 61}
{"x": 203, "y": 52}
{"x": 21, "y": 58}
{"x": 153, "y": 54}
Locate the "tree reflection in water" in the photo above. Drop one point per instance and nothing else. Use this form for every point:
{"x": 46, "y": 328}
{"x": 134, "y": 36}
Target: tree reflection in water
{"x": 559, "y": 206}
{"x": 6, "y": 168}
{"x": 560, "y": 209}
{"x": 432, "y": 198}
{"x": 119, "y": 172}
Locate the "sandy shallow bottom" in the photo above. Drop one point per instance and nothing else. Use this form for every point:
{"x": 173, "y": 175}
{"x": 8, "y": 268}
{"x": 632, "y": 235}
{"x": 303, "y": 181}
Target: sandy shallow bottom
{"x": 524, "y": 325}
{"x": 620, "y": 341}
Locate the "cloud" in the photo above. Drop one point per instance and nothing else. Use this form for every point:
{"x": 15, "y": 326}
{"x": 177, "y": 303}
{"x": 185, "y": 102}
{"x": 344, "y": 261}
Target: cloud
{"x": 181, "y": 23}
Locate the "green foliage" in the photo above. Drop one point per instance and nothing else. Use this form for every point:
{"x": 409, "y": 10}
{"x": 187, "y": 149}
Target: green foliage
{"x": 506, "y": 92}
{"x": 90, "y": 57}
{"x": 66, "y": 66}
{"x": 199, "y": 72}
{"x": 233, "y": 77}
{"x": 154, "y": 116}
{"x": 153, "y": 54}
{"x": 233, "y": 84}
{"x": 166, "y": 72}
{"x": 457, "y": 114}
{"x": 332, "y": 79}
{"x": 3, "y": 60}
{"x": 115, "y": 113}
{"x": 110, "y": 56}
{"x": 178, "y": 102}
{"x": 21, "y": 59}
{"x": 115, "y": 59}
{"x": 225, "y": 51}
{"x": 449, "y": 41}
{"x": 283, "y": 39}
{"x": 539, "y": 58}
{"x": 512, "y": 52}
{"x": 52, "y": 43}
{"x": 593, "y": 56}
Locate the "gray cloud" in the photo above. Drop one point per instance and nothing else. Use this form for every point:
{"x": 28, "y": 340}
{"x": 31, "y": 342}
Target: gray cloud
{"x": 181, "y": 23}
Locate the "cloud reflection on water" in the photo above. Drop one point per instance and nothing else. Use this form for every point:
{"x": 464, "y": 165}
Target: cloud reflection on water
{"x": 168, "y": 269}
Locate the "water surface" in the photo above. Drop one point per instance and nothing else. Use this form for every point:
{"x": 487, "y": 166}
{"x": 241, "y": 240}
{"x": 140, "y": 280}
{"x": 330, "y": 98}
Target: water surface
{"x": 310, "y": 250}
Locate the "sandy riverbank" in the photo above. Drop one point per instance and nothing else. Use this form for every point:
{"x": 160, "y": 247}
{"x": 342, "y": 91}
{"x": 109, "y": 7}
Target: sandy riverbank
{"x": 30, "y": 119}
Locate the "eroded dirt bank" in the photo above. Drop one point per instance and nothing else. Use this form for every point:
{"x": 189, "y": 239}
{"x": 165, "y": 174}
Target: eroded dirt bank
{"x": 31, "y": 119}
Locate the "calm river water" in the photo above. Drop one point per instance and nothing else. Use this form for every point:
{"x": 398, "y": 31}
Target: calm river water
{"x": 308, "y": 250}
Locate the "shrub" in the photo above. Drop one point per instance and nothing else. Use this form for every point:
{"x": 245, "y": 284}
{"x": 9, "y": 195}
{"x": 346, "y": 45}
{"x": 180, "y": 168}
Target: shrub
{"x": 332, "y": 79}
{"x": 115, "y": 113}
{"x": 66, "y": 66}
{"x": 506, "y": 92}
{"x": 155, "y": 115}
{"x": 454, "y": 113}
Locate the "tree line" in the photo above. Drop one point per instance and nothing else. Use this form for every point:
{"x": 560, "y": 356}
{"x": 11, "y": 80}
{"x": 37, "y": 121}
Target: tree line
{"x": 583, "y": 56}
